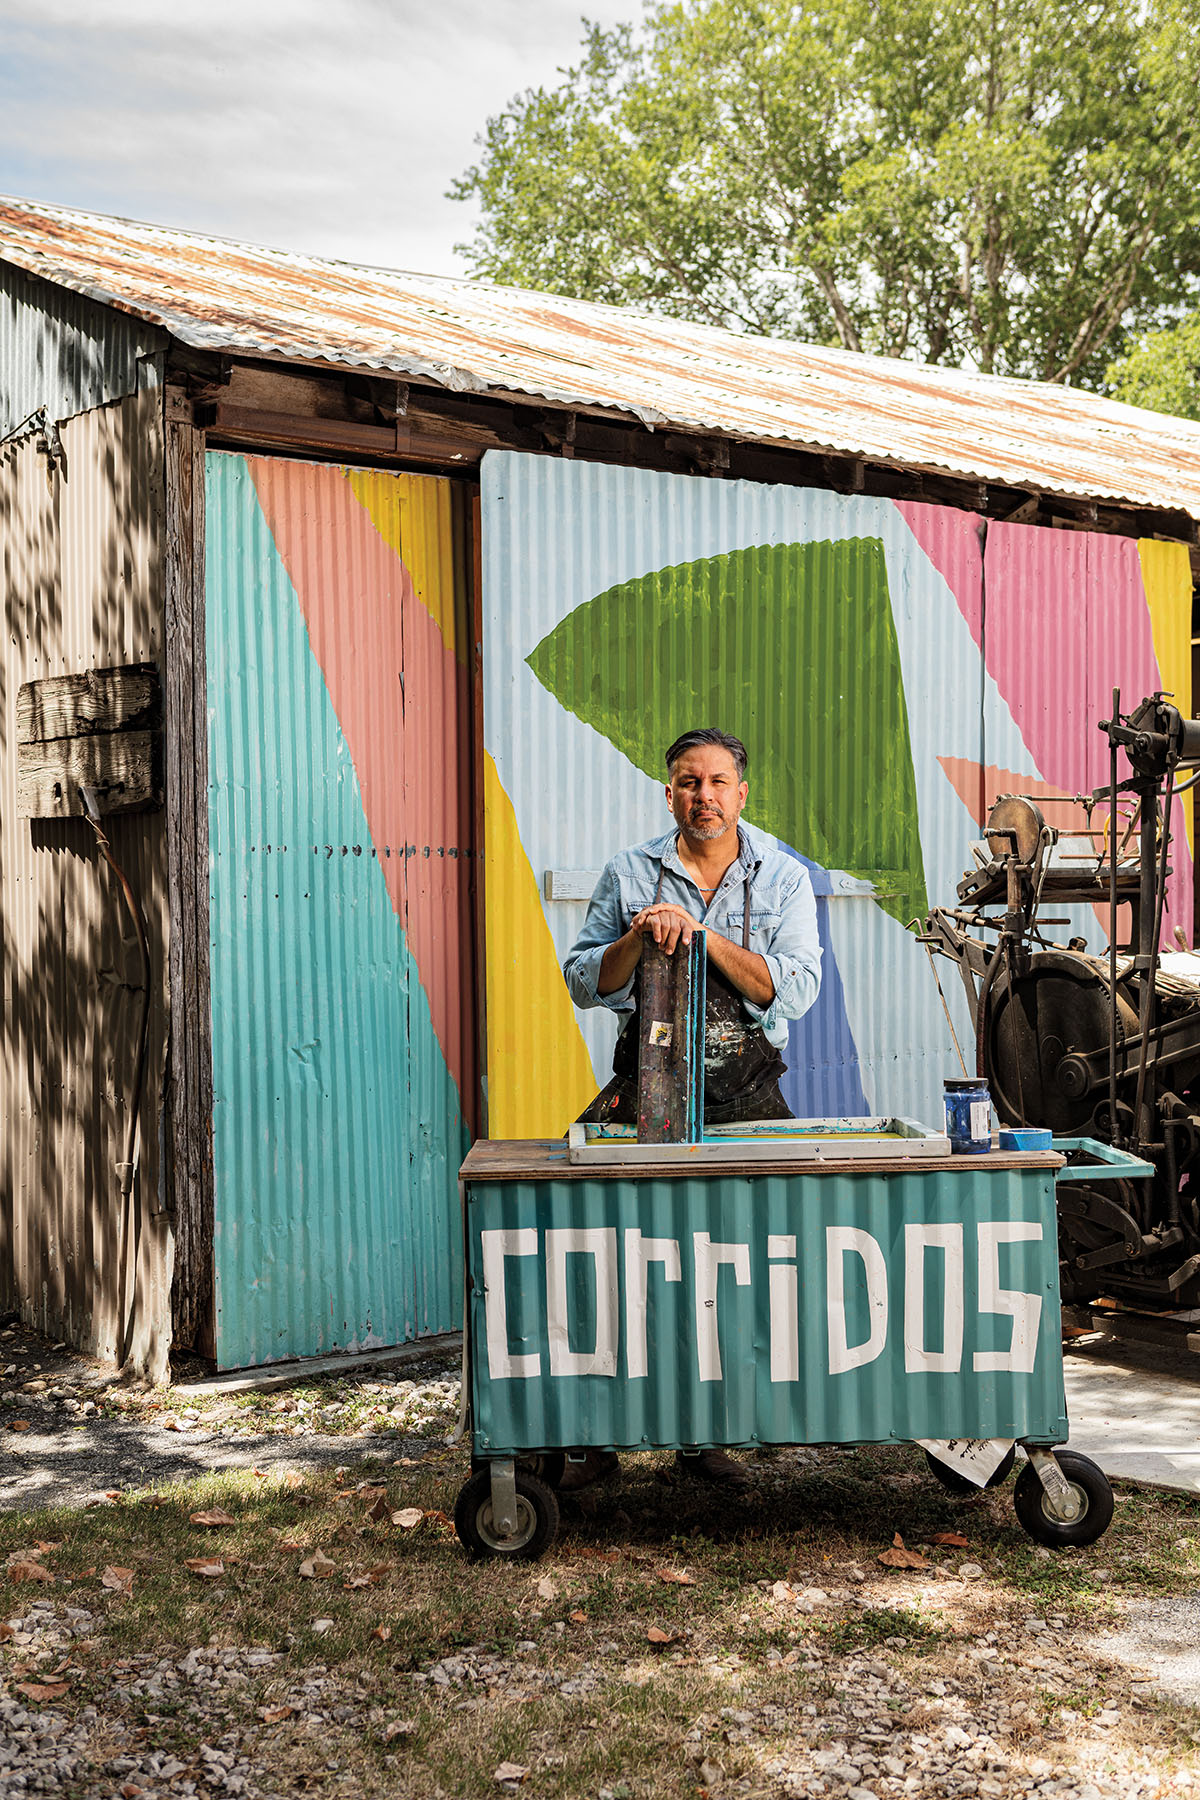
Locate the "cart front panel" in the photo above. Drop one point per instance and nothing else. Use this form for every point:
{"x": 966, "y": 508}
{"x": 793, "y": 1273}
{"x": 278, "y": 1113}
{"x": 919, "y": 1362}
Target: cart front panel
{"x": 797, "y": 1308}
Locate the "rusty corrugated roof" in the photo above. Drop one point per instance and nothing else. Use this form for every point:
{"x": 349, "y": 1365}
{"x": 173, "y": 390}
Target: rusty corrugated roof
{"x": 468, "y": 336}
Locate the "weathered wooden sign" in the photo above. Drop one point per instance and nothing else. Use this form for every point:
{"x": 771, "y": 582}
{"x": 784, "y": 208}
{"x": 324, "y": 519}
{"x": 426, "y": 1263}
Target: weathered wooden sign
{"x": 100, "y": 729}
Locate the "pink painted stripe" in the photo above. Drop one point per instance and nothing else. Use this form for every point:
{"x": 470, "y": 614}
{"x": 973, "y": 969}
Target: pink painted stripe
{"x": 951, "y": 541}
{"x": 400, "y": 697}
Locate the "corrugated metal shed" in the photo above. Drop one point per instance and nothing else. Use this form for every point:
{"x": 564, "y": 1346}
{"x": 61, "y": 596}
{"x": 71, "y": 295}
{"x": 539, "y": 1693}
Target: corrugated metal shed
{"x": 81, "y": 580}
{"x": 464, "y": 335}
{"x": 67, "y": 353}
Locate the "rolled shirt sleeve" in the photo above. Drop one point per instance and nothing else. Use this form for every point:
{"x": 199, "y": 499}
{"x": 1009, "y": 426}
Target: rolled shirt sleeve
{"x": 604, "y": 924}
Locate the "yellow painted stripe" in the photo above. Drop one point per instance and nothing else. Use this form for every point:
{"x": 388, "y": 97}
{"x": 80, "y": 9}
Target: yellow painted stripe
{"x": 420, "y": 517}
{"x": 1167, "y": 579}
{"x": 539, "y": 1071}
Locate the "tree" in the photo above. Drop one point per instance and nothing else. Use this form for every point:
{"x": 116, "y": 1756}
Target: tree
{"x": 1003, "y": 183}
{"x": 1162, "y": 371}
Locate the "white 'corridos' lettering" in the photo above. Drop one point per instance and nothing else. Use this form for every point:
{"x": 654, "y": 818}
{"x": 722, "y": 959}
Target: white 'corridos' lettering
{"x": 841, "y": 1241}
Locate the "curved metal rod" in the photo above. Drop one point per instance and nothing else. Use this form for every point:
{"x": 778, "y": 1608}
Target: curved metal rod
{"x": 1114, "y": 1126}
{"x": 1160, "y": 895}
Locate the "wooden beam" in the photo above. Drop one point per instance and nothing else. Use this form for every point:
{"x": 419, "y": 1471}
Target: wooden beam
{"x": 121, "y": 768}
{"x": 128, "y": 698}
{"x": 190, "y": 1091}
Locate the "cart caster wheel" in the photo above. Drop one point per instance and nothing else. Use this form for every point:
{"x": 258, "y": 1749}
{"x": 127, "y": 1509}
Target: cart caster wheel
{"x": 537, "y": 1518}
{"x": 954, "y": 1483}
{"x": 1091, "y": 1490}
{"x": 547, "y": 1465}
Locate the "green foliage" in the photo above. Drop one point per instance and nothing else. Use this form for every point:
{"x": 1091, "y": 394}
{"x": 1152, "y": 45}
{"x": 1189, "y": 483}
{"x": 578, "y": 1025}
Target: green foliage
{"x": 1007, "y": 183}
{"x": 1162, "y": 371}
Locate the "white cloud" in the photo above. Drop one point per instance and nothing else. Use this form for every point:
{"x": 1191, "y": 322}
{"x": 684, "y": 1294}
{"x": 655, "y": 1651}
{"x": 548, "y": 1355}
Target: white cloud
{"x": 328, "y": 127}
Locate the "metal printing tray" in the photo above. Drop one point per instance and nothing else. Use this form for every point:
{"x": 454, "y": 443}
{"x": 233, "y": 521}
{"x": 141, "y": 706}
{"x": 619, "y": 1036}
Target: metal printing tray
{"x": 767, "y": 1140}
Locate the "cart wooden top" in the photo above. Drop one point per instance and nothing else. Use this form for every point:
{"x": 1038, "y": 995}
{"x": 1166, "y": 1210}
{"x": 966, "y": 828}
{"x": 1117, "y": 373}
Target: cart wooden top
{"x": 545, "y": 1159}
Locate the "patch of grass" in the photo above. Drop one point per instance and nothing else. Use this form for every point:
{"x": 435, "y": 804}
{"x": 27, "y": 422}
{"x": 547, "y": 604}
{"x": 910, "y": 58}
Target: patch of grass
{"x": 399, "y": 1601}
{"x": 874, "y": 1625}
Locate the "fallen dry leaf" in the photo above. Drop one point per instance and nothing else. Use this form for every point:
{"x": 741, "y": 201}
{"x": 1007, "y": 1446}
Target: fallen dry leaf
{"x": 437, "y": 1517}
{"x": 680, "y": 1577}
{"x": 45, "y": 1545}
{"x": 214, "y": 1516}
{"x": 546, "y": 1589}
{"x": 207, "y": 1566}
{"x": 119, "y": 1580}
{"x": 656, "y": 1635}
{"x": 407, "y": 1517}
{"x": 368, "y": 1490}
{"x": 377, "y": 1571}
{"x": 259, "y": 1474}
{"x": 6, "y": 1631}
{"x": 43, "y": 1690}
{"x": 382, "y": 1632}
{"x": 290, "y": 1543}
{"x": 29, "y": 1571}
{"x": 900, "y": 1558}
{"x": 357, "y": 1581}
{"x": 293, "y": 1479}
{"x": 380, "y": 1510}
{"x": 578, "y": 1617}
{"x": 18, "y": 1425}
{"x": 510, "y": 1772}
{"x": 399, "y": 1728}
{"x": 955, "y": 1538}
{"x": 317, "y": 1567}
{"x": 271, "y": 1715}
{"x": 170, "y": 1423}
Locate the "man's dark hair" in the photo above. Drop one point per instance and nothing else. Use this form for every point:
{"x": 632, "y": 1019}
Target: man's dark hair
{"x": 724, "y": 740}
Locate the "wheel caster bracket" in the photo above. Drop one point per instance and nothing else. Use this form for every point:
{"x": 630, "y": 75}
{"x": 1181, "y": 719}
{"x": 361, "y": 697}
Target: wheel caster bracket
{"x": 504, "y": 1495}
{"x": 1061, "y": 1496}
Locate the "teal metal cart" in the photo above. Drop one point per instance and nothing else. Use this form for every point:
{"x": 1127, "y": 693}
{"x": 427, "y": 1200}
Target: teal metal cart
{"x": 724, "y": 1300}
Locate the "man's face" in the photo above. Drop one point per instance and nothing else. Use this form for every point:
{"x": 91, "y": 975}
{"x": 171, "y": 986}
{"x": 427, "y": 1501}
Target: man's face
{"x": 705, "y": 794}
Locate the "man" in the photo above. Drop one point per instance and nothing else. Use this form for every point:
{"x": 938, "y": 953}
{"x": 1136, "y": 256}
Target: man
{"x": 756, "y": 907}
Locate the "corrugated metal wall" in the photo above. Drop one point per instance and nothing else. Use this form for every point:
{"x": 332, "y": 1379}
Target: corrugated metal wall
{"x": 340, "y": 814}
{"x": 82, "y": 562}
{"x": 66, "y": 353}
{"x": 890, "y": 667}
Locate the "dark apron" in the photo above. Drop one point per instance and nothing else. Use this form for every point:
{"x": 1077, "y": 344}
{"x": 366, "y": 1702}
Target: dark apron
{"x": 742, "y": 1067}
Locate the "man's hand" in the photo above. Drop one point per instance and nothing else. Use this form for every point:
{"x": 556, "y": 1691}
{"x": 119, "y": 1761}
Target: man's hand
{"x": 666, "y": 924}
{"x": 663, "y": 924}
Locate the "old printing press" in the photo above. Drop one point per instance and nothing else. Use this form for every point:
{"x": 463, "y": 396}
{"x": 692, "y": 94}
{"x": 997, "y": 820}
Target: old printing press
{"x": 1104, "y": 1046}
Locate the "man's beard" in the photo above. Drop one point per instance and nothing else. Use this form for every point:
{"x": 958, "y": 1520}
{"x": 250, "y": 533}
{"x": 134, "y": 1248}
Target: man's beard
{"x": 707, "y": 829}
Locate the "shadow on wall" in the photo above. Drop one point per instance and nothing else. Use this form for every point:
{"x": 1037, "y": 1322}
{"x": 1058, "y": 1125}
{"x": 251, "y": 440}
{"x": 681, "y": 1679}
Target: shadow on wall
{"x": 82, "y": 552}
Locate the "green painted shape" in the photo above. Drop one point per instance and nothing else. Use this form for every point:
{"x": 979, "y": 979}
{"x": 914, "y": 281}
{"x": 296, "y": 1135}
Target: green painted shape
{"x": 792, "y": 647}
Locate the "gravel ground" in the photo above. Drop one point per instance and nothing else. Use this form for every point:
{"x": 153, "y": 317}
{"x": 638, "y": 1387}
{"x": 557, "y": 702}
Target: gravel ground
{"x": 855, "y": 1726}
{"x": 850, "y": 1726}
{"x": 70, "y": 1432}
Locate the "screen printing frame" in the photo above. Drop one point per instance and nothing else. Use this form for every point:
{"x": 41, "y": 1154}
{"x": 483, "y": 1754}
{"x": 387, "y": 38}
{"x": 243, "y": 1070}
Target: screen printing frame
{"x": 867, "y": 1140}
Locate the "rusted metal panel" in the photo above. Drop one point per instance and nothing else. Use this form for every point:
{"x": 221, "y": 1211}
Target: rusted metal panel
{"x": 82, "y": 585}
{"x": 463, "y": 335}
{"x": 64, "y": 352}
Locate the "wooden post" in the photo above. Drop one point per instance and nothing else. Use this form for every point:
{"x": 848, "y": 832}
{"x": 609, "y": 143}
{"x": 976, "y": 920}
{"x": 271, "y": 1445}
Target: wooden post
{"x": 671, "y": 1047}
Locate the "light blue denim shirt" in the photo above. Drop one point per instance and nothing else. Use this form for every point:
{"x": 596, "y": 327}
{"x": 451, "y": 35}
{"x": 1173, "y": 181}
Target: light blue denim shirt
{"x": 783, "y": 921}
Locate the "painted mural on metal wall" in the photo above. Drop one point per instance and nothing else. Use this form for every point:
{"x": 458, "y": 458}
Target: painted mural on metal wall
{"x": 340, "y": 816}
{"x": 846, "y": 640}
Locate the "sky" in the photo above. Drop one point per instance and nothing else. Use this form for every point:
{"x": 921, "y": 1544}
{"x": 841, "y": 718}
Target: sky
{"x": 331, "y": 127}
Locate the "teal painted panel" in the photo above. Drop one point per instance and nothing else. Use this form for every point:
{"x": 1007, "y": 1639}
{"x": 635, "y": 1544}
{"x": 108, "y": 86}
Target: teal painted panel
{"x": 764, "y": 1310}
{"x": 313, "y": 987}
